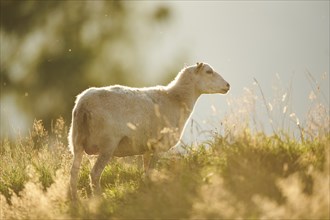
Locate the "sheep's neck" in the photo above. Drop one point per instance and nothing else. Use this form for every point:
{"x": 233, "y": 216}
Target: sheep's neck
{"x": 185, "y": 96}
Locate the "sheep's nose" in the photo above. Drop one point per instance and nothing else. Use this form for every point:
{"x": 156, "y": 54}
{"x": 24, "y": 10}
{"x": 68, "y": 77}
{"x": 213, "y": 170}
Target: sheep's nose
{"x": 228, "y": 86}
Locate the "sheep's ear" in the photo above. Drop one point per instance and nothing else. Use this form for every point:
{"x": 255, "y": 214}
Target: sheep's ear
{"x": 199, "y": 67}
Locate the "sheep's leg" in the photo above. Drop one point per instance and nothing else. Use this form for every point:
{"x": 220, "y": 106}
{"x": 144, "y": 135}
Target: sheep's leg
{"x": 153, "y": 160}
{"x": 78, "y": 155}
{"x": 149, "y": 162}
{"x": 146, "y": 162}
{"x": 97, "y": 170}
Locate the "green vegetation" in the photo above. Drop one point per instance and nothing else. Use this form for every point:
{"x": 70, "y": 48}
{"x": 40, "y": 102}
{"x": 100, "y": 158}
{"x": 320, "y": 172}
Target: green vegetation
{"x": 237, "y": 175}
{"x": 243, "y": 172}
{"x": 53, "y": 50}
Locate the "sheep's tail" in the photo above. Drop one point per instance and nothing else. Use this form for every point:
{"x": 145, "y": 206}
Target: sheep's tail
{"x": 79, "y": 130}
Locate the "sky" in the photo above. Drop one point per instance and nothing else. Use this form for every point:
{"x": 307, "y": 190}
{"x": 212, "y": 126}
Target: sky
{"x": 278, "y": 43}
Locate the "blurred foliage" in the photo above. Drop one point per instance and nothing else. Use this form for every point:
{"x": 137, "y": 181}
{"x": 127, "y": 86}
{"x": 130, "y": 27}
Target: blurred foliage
{"x": 246, "y": 176}
{"x": 53, "y": 50}
{"x": 239, "y": 174}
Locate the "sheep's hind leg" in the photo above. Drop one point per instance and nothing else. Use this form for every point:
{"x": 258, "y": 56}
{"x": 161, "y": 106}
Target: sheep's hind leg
{"x": 99, "y": 166}
{"x": 78, "y": 155}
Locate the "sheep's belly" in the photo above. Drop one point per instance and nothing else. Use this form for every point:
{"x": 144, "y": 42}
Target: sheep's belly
{"x": 127, "y": 148}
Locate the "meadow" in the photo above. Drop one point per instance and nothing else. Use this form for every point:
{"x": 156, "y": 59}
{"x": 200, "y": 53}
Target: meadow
{"x": 241, "y": 172}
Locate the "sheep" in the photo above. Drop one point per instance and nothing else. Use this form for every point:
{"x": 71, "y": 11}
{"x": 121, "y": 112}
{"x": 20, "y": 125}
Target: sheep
{"x": 122, "y": 121}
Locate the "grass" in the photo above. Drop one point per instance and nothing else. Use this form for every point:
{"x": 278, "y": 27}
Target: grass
{"x": 241, "y": 173}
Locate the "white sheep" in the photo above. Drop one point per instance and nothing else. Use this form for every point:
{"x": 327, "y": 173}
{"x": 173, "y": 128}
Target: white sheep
{"x": 123, "y": 121}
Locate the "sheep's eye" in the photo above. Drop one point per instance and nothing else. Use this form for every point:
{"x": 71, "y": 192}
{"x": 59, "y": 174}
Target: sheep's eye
{"x": 209, "y": 71}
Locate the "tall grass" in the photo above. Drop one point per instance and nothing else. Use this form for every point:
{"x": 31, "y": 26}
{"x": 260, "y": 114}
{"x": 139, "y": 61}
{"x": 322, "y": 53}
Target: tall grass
{"x": 243, "y": 172}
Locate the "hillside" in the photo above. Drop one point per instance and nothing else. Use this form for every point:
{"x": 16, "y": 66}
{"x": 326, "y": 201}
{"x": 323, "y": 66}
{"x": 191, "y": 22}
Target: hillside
{"x": 249, "y": 176}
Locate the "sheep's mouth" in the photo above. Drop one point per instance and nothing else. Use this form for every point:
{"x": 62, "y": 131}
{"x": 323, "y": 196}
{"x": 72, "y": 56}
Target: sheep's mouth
{"x": 224, "y": 91}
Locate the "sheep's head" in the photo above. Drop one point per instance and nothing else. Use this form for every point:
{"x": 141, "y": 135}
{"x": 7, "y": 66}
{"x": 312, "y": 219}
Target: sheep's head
{"x": 207, "y": 81}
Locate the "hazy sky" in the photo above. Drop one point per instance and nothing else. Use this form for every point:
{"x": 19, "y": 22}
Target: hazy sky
{"x": 246, "y": 40}
{"x": 241, "y": 40}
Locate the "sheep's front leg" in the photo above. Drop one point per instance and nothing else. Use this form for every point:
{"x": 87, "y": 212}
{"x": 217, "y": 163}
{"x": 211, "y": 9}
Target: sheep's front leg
{"x": 149, "y": 162}
{"x": 146, "y": 162}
